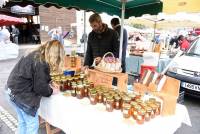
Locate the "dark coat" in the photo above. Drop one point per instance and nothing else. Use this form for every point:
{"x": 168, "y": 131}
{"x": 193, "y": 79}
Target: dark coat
{"x": 101, "y": 43}
{"x": 28, "y": 82}
{"x": 124, "y": 46}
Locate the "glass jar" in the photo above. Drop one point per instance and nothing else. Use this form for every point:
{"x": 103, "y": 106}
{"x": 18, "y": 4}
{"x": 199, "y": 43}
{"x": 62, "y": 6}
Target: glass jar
{"x": 80, "y": 92}
{"x": 105, "y": 97}
{"x": 154, "y": 109}
{"x": 135, "y": 111}
{"x": 69, "y": 83}
{"x": 126, "y": 109}
{"x": 117, "y": 102}
{"x": 73, "y": 91}
{"x": 82, "y": 76}
{"x": 62, "y": 83}
{"x": 100, "y": 96}
{"x": 86, "y": 90}
{"x": 140, "y": 116}
{"x": 148, "y": 113}
{"x": 132, "y": 96}
{"x": 91, "y": 85}
{"x": 158, "y": 110}
{"x": 109, "y": 104}
{"x": 93, "y": 97}
{"x": 126, "y": 99}
{"x": 133, "y": 104}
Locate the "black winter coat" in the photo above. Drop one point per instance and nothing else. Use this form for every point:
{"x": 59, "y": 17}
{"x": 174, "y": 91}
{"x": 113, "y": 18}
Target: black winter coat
{"x": 101, "y": 43}
{"x": 28, "y": 82}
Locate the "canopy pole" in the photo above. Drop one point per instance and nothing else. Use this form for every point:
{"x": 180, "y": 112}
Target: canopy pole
{"x": 85, "y": 40}
{"x": 122, "y": 29}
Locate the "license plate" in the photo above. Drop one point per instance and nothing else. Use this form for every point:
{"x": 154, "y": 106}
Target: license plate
{"x": 191, "y": 86}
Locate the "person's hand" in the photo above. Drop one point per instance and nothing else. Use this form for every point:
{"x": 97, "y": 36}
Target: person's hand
{"x": 97, "y": 60}
{"x": 55, "y": 87}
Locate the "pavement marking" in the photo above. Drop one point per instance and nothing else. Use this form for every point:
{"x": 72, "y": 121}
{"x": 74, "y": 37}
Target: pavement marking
{"x": 8, "y": 119}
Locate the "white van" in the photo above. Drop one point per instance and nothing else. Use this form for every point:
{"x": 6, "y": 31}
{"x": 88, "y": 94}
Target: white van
{"x": 187, "y": 69}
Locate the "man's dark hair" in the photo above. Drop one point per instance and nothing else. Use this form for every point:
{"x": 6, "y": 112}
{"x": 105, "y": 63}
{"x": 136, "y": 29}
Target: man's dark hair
{"x": 95, "y": 18}
{"x": 114, "y": 21}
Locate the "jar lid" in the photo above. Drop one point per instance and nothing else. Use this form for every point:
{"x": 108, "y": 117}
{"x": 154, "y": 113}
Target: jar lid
{"x": 127, "y": 106}
{"x": 126, "y": 98}
{"x": 133, "y": 103}
{"x": 149, "y": 109}
{"x": 152, "y": 99}
{"x": 80, "y": 86}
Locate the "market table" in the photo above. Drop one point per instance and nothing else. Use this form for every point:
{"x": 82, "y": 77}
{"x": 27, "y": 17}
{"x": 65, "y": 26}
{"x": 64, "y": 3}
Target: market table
{"x": 76, "y": 116}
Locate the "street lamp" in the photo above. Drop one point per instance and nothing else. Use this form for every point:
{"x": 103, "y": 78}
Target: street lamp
{"x": 154, "y": 32}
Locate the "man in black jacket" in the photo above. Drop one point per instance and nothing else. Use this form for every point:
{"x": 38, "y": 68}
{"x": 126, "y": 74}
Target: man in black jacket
{"x": 116, "y": 26}
{"x": 100, "y": 41}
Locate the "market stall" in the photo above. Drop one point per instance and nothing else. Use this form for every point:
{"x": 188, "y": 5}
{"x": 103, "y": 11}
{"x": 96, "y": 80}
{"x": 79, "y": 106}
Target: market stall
{"x": 75, "y": 116}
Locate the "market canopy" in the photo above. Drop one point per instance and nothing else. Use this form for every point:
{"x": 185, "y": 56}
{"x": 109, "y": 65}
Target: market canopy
{"x": 8, "y": 20}
{"x": 112, "y": 7}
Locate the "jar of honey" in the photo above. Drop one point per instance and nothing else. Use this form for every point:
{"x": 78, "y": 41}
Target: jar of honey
{"x": 86, "y": 89}
{"x": 154, "y": 109}
{"x": 158, "y": 110}
{"x": 73, "y": 91}
{"x": 126, "y": 110}
{"x": 140, "y": 116}
{"x": 117, "y": 102}
{"x": 135, "y": 110}
{"x": 80, "y": 92}
{"x": 93, "y": 97}
{"x": 100, "y": 96}
{"x": 148, "y": 113}
{"x": 105, "y": 97}
{"x": 133, "y": 104}
{"x": 126, "y": 100}
{"x": 109, "y": 104}
{"x": 69, "y": 83}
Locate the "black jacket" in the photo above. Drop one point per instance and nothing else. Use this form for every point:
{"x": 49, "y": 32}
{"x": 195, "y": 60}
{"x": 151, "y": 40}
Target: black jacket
{"x": 99, "y": 44}
{"x": 28, "y": 82}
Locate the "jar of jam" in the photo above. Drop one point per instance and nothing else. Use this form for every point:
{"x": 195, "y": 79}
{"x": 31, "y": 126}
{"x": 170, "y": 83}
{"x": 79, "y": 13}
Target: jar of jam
{"x": 82, "y": 76}
{"x": 132, "y": 96}
{"x": 126, "y": 110}
{"x": 105, "y": 97}
{"x": 140, "y": 116}
{"x": 100, "y": 96}
{"x": 91, "y": 85}
{"x": 93, "y": 97}
{"x": 117, "y": 102}
{"x": 135, "y": 110}
{"x": 133, "y": 104}
{"x": 126, "y": 99}
{"x": 69, "y": 83}
{"x": 80, "y": 92}
{"x": 109, "y": 104}
{"x": 86, "y": 89}
{"x": 62, "y": 83}
{"x": 73, "y": 91}
{"x": 148, "y": 113}
{"x": 153, "y": 111}
{"x": 158, "y": 110}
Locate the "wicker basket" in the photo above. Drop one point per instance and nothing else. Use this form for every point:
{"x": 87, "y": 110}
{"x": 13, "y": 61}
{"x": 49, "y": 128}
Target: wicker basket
{"x": 101, "y": 65}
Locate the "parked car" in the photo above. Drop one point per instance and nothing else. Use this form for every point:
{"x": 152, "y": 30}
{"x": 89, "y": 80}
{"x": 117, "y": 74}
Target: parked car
{"x": 186, "y": 68}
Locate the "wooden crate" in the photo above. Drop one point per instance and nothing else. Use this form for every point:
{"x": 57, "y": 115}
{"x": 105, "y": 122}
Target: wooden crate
{"x": 169, "y": 94}
{"x": 106, "y": 79}
{"x": 67, "y": 64}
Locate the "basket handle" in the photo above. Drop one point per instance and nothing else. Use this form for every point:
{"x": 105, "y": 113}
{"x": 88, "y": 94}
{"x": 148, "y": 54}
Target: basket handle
{"x": 107, "y": 54}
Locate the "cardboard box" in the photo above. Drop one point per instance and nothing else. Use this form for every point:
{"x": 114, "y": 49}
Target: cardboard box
{"x": 108, "y": 79}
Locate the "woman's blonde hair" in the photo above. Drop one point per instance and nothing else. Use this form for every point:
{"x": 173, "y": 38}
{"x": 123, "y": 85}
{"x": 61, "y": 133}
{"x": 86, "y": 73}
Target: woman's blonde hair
{"x": 53, "y": 53}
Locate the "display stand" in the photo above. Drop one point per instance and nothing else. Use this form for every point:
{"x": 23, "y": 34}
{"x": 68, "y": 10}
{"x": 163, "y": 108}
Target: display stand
{"x": 77, "y": 65}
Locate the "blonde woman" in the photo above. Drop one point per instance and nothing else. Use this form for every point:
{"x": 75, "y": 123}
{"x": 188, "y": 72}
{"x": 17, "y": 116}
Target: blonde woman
{"x": 30, "y": 80}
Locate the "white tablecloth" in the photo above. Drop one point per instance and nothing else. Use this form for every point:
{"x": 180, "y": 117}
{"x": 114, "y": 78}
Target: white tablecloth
{"x": 75, "y": 116}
